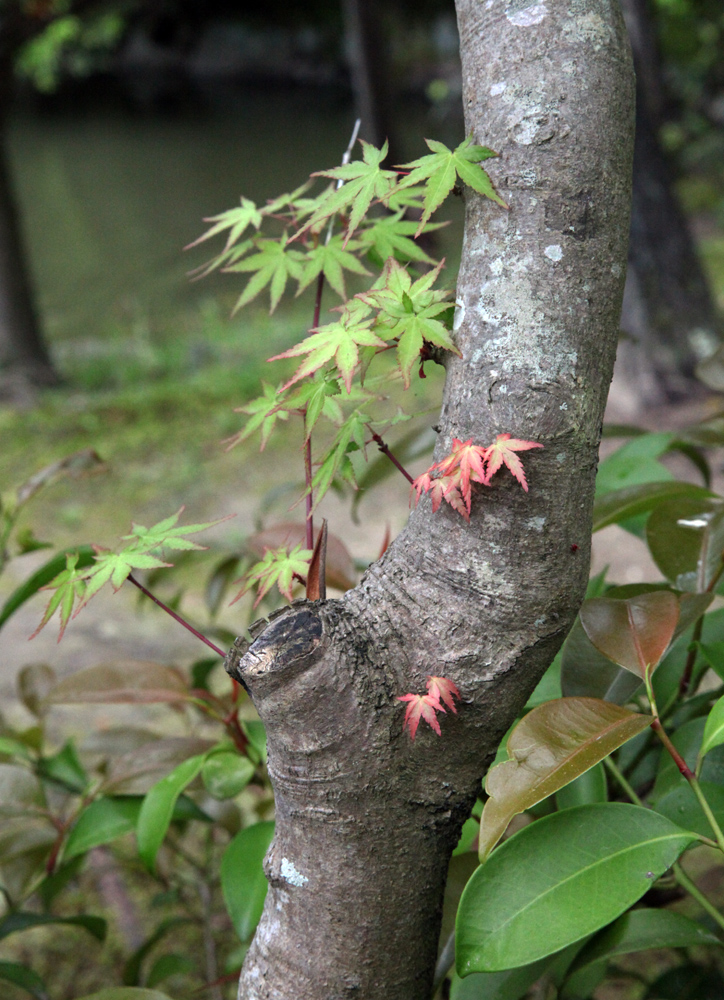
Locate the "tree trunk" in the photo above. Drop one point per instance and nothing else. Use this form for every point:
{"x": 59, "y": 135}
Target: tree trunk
{"x": 668, "y": 309}
{"x": 23, "y": 354}
{"x": 366, "y": 820}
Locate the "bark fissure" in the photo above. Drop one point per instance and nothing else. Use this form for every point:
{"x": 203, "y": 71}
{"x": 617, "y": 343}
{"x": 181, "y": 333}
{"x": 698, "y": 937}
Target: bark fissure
{"x": 366, "y": 820}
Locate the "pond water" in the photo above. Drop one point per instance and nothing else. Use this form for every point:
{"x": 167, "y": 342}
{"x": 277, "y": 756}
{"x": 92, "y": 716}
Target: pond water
{"x": 110, "y": 194}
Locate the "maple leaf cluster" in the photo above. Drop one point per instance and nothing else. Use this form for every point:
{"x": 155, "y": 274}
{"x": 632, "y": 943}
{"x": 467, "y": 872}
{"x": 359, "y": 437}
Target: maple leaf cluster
{"x": 77, "y": 584}
{"x": 451, "y": 478}
{"x": 280, "y": 566}
{"x": 426, "y": 706}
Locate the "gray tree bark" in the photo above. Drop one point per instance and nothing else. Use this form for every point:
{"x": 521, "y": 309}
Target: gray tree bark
{"x": 366, "y": 820}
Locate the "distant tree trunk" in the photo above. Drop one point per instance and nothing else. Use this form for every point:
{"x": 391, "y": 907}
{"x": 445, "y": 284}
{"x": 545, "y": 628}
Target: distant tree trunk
{"x": 23, "y": 353}
{"x": 370, "y": 70}
{"x": 668, "y": 309}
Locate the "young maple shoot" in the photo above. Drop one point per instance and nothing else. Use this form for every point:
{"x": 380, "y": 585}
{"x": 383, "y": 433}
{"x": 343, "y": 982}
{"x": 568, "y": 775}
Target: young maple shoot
{"x": 426, "y": 706}
{"x": 336, "y": 382}
{"x": 450, "y": 479}
{"x": 74, "y": 587}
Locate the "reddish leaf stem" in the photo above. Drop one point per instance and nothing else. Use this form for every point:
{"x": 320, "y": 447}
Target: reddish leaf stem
{"x": 176, "y": 617}
{"x": 676, "y": 756}
{"x": 235, "y": 731}
{"x": 386, "y": 451}
{"x": 309, "y": 497}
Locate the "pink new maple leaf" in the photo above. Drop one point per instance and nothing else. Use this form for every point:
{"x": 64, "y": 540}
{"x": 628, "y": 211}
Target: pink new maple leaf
{"x": 502, "y": 451}
{"x": 467, "y": 460}
{"x": 426, "y": 706}
{"x": 440, "y": 688}
{"x": 442, "y": 488}
{"x": 421, "y": 706}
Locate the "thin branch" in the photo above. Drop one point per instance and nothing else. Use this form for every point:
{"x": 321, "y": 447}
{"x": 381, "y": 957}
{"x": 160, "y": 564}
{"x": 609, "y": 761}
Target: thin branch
{"x": 176, "y": 617}
{"x": 386, "y": 451}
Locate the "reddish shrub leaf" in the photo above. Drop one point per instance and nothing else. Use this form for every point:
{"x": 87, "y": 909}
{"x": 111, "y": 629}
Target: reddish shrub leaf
{"x": 552, "y": 745}
{"x": 635, "y": 633}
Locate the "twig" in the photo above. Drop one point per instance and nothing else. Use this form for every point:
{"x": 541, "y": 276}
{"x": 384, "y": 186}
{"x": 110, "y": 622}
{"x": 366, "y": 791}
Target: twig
{"x": 315, "y": 323}
{"x": 176, "y": 617}
{"x": 386, "y": 451}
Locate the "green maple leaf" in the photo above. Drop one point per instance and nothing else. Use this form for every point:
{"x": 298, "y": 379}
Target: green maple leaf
{"x": 264, "y": 411}
{"x": 339, "y": 341}
{"x": 115, "y": 567}
{"x": 364, "y": 182}
{"x": 440, "y": 169}
{"x": 390, "y": 237}
{"x": 336, "y": 463}
{"x": 68, "y": 585}
{"x": 316, "y": 398}
{"x": 225, "y": 259}
{"x": 274, "y": 264}
{"x": 292, "y": 201}
{"x": 407, "y": 312}
{"x": 166, "y": 534}
{"x": 331, "y": 260}
{"x": 236, "y": 220}
{"x": 279, "y": 566}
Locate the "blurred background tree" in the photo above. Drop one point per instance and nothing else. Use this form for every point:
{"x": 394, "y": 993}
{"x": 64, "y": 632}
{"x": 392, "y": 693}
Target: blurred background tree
{"x": 179, "y": 57}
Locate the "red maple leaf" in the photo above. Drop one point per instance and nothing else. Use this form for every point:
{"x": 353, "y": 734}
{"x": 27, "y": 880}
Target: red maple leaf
{"x": 502, "y": 451}
{"x": 441, "y": 688}
{"x": 441, "y": 488}
{"x": 421, "y": 706}
{"x": 467, "y": 460}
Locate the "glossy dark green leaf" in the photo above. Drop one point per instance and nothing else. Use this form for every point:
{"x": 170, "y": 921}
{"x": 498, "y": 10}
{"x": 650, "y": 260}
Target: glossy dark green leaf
{"x": 713, "y": 653}
{"x": 634, "y": 633}
{"x": 509, "y": 984}
{"x": 634, "y": 463}
{"x": 714, "y": 728}
{"x": 468, "y": 835}
{"x": 158, "y": 806}
{"x": 586, "y": 672}
{"x": 167, "y": 966}
{"x": 681, "y": 806}
{"x": 101, "y": 822}
{"x": 53, "y": 885}
{"x": 640, "y": 930}
{"x": 200, "y": 671}
{"x": 243, "y": 882}
{"x": 620, "y": 505}
{"x": 43, "y": 576}
{"x": 687, "y": 740}
{"x": 138, "y": 770}
{"x": 65, "y": 769}
{"x": 226, "y": 773}
{"x": 549, "y": 686}
{"x": 132, "y": 968}
{"x": 256, "y": 734}
{"x": 22, "y": 921}
{"x": 591, "y": 786}
{"x": 559, "y": 879}
{"x": 549, "y": 747}
{"x": 675, "y": 531}
{"x": 21, "y": 975}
